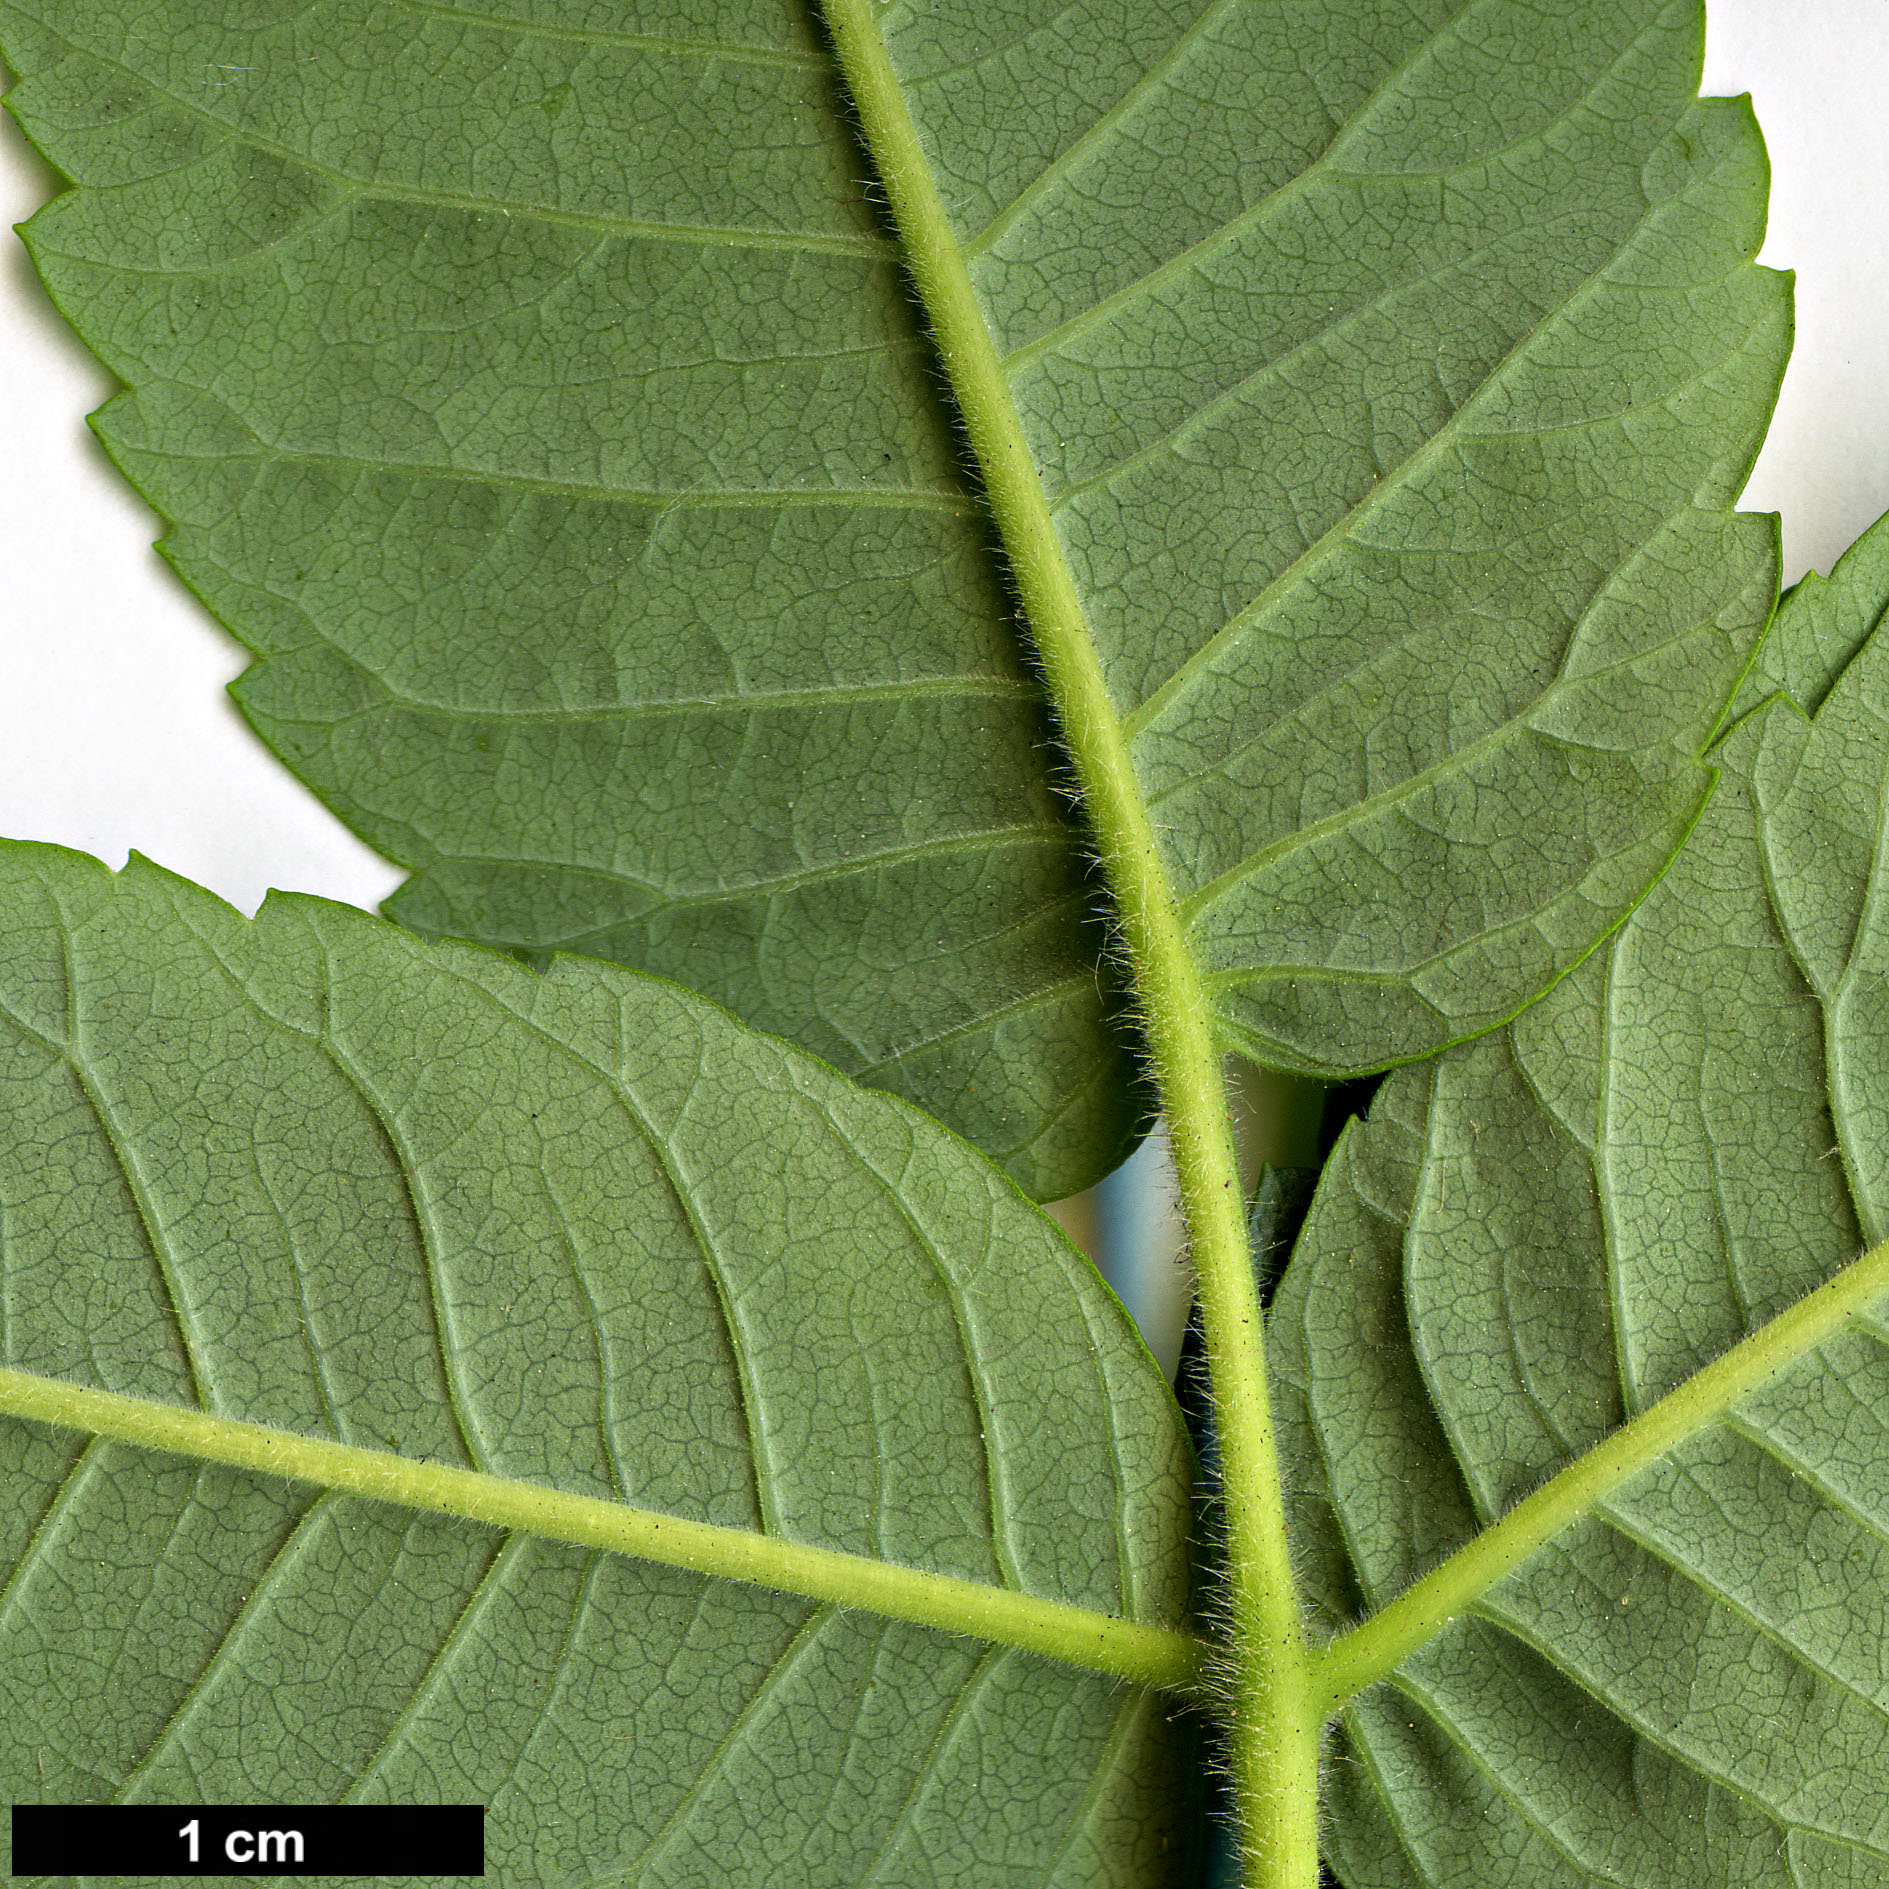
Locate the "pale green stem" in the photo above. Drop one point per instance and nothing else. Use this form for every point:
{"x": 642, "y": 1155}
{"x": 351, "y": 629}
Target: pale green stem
{"x": 1274, "y": 1736}
{"x": 1125, "y": 1649}
{"x": 1367, "y": 1653}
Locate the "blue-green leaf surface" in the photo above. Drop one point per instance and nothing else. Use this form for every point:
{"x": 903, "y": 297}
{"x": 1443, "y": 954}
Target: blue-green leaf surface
{"x": 1389, "y": 370}
{"x": 538, "y": 400}
{"x": 1537, "y": 1236}
{"x": 538, "y": 396}
{"x": 584, "y": 1231}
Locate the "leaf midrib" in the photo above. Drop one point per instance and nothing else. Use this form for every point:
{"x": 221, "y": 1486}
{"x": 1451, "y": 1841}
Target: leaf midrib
{"x": 1165, "y": 1657}
{"x": 1274, "y": 1743}
{"x": 1369, "y": 1652}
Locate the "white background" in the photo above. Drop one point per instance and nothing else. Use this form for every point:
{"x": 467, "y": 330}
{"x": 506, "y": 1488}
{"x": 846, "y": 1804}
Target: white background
{"x": 115, "y": 733}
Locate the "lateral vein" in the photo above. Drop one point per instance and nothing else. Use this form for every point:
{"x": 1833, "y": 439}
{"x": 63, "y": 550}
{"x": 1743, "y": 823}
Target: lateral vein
{"x": 1346, "y": 1665}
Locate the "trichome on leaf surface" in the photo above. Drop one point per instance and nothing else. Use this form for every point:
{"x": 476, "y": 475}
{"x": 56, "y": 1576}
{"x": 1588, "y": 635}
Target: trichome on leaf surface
{"x": 902, "y": 576}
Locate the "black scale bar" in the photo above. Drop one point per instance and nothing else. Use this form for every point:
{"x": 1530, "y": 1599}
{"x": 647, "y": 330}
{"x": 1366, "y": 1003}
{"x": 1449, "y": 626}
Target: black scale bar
{"x": 436, "y": 1841}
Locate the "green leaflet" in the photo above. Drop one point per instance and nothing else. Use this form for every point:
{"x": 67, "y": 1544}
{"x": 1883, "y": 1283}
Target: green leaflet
{"x": 1537, "y": 1236}
{"x": 1389, "y": 371}
{"x": 585, "y": 1232}
{"x": 592, "y": 508}
{"x": 1829, "y": 619}
{"x": 546, "y": 413}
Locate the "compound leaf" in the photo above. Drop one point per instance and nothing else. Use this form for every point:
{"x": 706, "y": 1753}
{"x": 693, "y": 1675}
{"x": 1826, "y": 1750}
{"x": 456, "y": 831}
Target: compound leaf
{"x": 585, "y": 1234}
{"x": 1544, "y": 1232}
